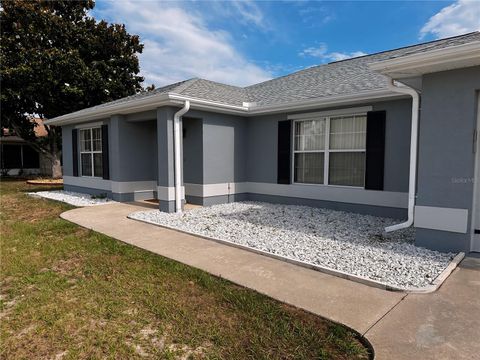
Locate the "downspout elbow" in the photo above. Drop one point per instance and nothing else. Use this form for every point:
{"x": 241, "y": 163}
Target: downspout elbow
{"x": 413, "y": 154}
{"x": 177, "y": 155}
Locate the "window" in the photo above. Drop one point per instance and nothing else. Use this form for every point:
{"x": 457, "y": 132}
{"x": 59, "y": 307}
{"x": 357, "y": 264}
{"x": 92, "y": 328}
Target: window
{"x": 330, "y": 150}
{"x": 91, "y": 152}
{"x": 310, "y": 151}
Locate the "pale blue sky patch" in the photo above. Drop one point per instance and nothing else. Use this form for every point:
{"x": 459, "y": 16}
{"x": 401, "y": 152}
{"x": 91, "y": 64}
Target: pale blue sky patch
{"x": 245, "y": 42}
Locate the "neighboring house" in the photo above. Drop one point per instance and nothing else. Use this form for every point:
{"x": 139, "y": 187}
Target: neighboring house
{"x": 337, "y": 135}
{"x": 17, "y": 157}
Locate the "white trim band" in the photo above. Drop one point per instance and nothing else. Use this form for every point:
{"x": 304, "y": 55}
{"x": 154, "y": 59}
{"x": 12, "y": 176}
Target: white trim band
{"x": 167, "y": 193}
{"x": 118, "y": 187}
{"x": 342, "y": 194}
{"x": 438, "y": 218}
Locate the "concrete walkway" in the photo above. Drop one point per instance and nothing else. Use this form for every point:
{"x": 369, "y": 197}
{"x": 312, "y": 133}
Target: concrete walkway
{"x": 442, "y": 325}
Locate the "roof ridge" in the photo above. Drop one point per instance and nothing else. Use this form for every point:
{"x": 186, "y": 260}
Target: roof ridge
{"x": 220, "y": 83}
{"x": 365, "y": 56}
{"x": 431, "y": 42}
{"x": 186, "y": 84}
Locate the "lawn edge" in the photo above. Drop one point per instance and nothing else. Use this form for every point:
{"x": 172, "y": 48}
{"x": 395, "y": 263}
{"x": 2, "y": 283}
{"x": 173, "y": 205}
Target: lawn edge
{"x": 358, "y": 335}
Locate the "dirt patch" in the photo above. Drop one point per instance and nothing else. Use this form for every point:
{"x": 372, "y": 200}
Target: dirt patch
{"x": 47, "y": 182}
{"x": 185, "y": 352}
{"x": 69, "y": 267}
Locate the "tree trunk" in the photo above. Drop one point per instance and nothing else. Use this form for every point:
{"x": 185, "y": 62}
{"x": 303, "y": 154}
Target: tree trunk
{"x": 56, "y": 168}
{"x": 55, "y": 157}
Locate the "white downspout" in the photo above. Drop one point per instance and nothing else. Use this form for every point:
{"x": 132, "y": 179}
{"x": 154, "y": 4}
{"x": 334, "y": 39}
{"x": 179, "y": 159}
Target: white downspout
{"x": 404, "y": 89}
{"x": 177, "y": 154}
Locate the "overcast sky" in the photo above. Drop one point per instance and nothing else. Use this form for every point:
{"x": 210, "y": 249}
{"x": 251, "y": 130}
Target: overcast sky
{"x": 246, "y": 42}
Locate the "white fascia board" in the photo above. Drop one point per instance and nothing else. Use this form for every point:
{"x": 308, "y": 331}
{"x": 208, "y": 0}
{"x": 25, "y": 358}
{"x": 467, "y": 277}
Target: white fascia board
{"x": 461, "y": 55}
{"x": 129, "y": 106}
{"x": 206, "y": 104}
{"x": 172, "y": 99}
{"x": 142, "y": 104}
{"x": 324, "y": 102}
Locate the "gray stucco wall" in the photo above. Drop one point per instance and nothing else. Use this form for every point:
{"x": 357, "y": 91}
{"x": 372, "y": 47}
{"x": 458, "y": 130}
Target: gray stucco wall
{"x": 132, "y": 149}
{"x": 446, "y": 157}
{"x": 135, "y": 156}
{"x": 397, "y": 143}
{"x": 262, "y": 145}
{"x": 224, "y": 148}
{"x": 192, "y": 150}
{"x": 67, "y": 150}
{"x": 164, "y": 135}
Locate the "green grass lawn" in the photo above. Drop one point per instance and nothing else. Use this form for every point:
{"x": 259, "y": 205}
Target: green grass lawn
{"x": 69, "y": 293}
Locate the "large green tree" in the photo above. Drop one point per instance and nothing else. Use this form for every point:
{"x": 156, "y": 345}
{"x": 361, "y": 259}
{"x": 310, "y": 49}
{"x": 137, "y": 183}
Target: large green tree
{"x": 56, "y": 59}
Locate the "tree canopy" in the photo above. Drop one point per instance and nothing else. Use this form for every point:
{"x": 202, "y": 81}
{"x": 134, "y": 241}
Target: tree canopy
{"x": 56, "y": 59}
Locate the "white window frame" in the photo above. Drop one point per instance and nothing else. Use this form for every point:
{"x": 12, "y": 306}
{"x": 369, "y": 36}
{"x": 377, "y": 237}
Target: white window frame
{"x": 90, "y": 129}
{"x": 327, "y": 150}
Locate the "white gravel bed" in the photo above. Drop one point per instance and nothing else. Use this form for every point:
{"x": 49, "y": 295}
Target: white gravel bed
{"x": 348, "y": 242}
{"x": 72, "y": 198}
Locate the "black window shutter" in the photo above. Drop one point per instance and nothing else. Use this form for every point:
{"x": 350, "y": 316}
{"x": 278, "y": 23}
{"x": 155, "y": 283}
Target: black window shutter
{"x": 375, "y": 154}
{"x": 284, "y": 152}
{"x": 75, "y": 151}
{"x": 105, "y": 158}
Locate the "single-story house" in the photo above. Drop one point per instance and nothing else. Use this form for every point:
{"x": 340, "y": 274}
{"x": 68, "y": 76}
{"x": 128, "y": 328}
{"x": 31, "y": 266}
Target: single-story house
{"x": 391, "y": 134}
{"x": 17, "y": 157}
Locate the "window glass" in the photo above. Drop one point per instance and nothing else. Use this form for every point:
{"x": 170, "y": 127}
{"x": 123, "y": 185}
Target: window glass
{"x": 348, "y": 133}
{"x": 346, "y": 141}
{"x": 97, "y": 139}
{"x": 310, "y": 135}
{"x": 91, "y": 152}
{"x": 309, "y": 167}
{"x": 86, "y": 159}
{"x": 347, "y": 168}
{"x": 85, "y": 140}
{"x": 97, "y": 164}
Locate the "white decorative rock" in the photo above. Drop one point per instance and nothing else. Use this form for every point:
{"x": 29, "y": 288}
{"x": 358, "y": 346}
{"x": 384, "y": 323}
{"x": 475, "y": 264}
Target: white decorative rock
{"x": 348, "y": 242}
{"x": 72, "y": 198}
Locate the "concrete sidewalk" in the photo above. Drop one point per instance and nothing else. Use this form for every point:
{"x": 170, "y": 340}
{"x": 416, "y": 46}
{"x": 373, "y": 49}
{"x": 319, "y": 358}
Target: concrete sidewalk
{"x": 442, "y": 325}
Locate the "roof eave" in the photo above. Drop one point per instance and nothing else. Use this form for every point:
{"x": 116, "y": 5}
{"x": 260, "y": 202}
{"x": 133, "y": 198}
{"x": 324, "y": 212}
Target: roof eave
{"x": 324, "y": 102}
{"x": 172, "y": 99}
{"x": 138, "y": 105}
{"x": 417, "y": 64}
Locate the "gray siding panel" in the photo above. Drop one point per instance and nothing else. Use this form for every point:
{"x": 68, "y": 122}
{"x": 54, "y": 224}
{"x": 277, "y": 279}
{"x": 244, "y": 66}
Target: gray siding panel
{"x": 224, "y": 147}
{"x": 137, "y": 151}
{"x": 67, "y": 149}
{"x": 193, "y": 150}
{"x": 165, "y": 161}
{"x": 446, "y": 158}
{"x": 397, "y": 143}
{"x": 448, "y": 119}
{"x": 441, "y": 240}
{"x": 262, "y": 144}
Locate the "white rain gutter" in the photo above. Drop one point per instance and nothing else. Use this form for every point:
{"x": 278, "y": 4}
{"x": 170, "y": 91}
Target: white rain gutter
{"x": 404, "y": 89}
{"x": 177, "y": 154}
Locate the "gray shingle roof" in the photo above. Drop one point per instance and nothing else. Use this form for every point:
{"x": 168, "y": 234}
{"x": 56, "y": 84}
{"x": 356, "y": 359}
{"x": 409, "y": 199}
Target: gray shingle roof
{"x": 337, "y": 78}
{"x": 341, "y": 77}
